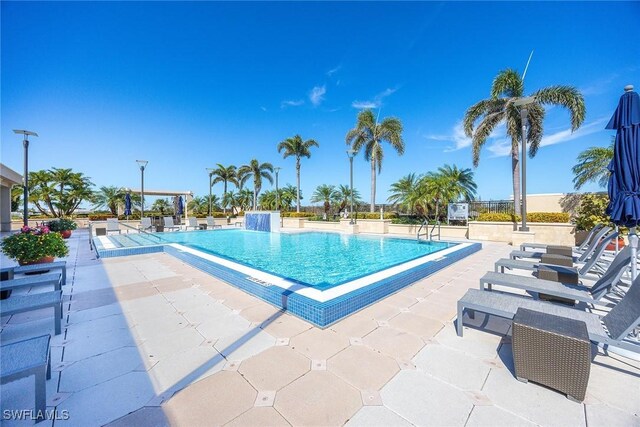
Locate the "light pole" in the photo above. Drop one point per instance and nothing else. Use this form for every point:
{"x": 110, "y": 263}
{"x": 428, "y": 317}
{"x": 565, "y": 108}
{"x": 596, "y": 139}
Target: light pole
{"x": 143, "y": 164}
{"x": 277, "y": 170}
{"x": 25, "y": 194}
{"x": 351, "y": 154}
{"x": 524, "y": 118}
{"x": 210, "y": 170}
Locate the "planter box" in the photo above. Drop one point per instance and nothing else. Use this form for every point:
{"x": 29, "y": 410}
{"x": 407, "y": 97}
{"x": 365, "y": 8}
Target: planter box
{"x": 542, "y": 232}
{"x": 375, "y": 226}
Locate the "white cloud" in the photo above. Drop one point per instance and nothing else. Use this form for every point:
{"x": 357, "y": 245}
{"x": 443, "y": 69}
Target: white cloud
{"x": 263, "y": 108}
{"x": 376, "y": 102}
{"x": 457, "y": 136}
{"x": 291, "y": 103}
{"x": 316, "y": 95}
{"x": 334, "y": 70}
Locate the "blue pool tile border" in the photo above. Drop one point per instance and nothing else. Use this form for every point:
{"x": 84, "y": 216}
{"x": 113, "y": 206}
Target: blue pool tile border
{"x": 321, "y": 314}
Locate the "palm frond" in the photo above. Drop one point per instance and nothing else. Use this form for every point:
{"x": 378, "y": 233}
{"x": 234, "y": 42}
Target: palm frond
{"x": 567, "y": 97}
{"x": 507, "y": 83}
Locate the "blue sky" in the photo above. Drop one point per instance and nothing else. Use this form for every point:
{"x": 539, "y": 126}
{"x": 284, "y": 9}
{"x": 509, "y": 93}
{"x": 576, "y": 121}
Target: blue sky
{"x": 189, "y": 85}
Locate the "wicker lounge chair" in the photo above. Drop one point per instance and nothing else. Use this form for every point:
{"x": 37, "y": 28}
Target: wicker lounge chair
{"x": 610, "y": 329}
{"x": 591, "y": 295}
{"x": 22, "y": 304}
{"x": 585, "y": 243}
{"x": 582, "y": 268}
{"x": 168, "y": 223}
{"x": 25, "y": 358}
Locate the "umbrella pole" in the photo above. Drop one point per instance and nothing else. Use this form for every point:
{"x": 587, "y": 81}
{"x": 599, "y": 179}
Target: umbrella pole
{"x": 633, "y": 241}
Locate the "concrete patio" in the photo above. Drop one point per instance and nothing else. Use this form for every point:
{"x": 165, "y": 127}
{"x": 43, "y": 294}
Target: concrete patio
{"x": 150, "y": 341}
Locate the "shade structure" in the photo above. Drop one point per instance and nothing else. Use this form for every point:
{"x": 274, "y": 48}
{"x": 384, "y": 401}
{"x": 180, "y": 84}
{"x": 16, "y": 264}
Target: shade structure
{"x": 624, "y": 182}
{"x": 127, "y": 204}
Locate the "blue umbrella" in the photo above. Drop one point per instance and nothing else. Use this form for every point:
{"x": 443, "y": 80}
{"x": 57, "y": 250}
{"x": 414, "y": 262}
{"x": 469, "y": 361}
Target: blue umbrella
{"x": 180, "y": 209}
{"x": 624, "y": 182}
{"x": 127, "y": 205}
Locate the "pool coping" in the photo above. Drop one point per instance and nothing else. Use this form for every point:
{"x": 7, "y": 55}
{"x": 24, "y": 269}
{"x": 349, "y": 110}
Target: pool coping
{"x": 319, "y": 307}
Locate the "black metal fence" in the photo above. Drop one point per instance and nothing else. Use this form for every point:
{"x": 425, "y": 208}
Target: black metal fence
{"x": 491, "y": 206}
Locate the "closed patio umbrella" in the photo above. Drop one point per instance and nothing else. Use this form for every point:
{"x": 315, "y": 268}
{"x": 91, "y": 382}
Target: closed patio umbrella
{"x": 624, "y": 182}
{"x": 127, "y": 205}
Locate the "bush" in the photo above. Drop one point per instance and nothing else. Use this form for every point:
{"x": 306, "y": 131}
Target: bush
{"x": 99, "y": 217}
{"x": 32, "y": 244}
{"x": 591, "y": 211}
{"x": 408, "y": 220}
{"x": 297, "y": 214}
{"x": 376, "y": 215}
{"x": 62, "y": 224}
{"x": 532, "y": 217}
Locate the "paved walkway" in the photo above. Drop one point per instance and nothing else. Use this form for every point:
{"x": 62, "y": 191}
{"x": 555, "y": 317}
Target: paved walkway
{"x": 150, "y": 341}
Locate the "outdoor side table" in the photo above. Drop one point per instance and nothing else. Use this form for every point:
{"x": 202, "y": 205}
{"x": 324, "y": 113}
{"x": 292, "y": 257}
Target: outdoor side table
{"x": 556, "y": 259}
{"x": 202, "y": 226}
{"x": 552, "y": 350}
{"x": 101, "y": 231}
{"x": 560, "y": 250}
{"x": 558, "y": 274}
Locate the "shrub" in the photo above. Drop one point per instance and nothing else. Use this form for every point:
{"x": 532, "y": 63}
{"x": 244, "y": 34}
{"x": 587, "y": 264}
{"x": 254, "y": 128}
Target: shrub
{"x": 591, "y": 211}
{"x": 32, "y": 244}
{"x": 297, "y": 214}
{"x": 498, "y": 217}
{"x": 376, "y": 215}
{"x": 99, "y": 217}
{"x": 62, "y": 224}
{"x": 547, "y": 217}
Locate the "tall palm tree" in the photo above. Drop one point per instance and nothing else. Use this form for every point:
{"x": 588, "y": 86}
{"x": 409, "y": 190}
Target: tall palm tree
{"x": 109, "y": 197}
{"x": 508, "y": 87}
{"x": 369, "y": 134}
{"x": 258, "y": 171}
{"x": 225, "y": 175}
{"x": 464, "y": 187}
{"x": 592, "y": 166}
{"x": 297, "y": 148}
{"x": 325, "y": 194}
{"x": 402, "y": 190}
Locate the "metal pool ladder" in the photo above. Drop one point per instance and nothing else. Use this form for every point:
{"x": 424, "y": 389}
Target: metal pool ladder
{"x": 428, "y": 233}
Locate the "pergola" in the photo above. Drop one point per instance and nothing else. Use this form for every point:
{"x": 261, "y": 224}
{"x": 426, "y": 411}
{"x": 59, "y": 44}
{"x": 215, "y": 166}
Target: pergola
{"x": 188, "y": 195}
{"x": 8, "y": 178}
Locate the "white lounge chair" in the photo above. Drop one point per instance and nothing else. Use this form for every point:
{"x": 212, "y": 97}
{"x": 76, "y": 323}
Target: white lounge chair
{"x": 193, "y": 223}
{"x": 168, "y": 223}
{"x": 211, "y": 223}
{"x": 145, "y": 224}
{"x": 113, "y": 225}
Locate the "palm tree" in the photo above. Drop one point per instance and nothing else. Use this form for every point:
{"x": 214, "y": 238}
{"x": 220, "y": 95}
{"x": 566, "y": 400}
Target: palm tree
{"x": 41, "y": 189}
{"x": 225, "y": 175}
{"x": 267, "y": 199}
{"x": 244, "y": 198}
{"x": 288, "y": 194}
{"x": 230, "y": 200}
{"x": 342, "y": 197}
{"x": 324, "y": 193}
{"x": 369, "y": 134}
{"x": 508, "y": 87}
{"x": 402, "y": 191}
{"x": 161, "y": 205}
{"x": 592, "y": 166}
{"x": 110, "y": 198}
{"x": 464, "y": 187}
{"x": 298, "y": 148}
{"x": 258, "y": 171}
{"x": 200, "y": 205}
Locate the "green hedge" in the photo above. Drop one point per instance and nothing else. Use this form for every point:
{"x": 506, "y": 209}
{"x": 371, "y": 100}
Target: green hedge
{"x": 557, "y": 217}
{"x": 376, "y": 215}
{"x": 297, "y": 214}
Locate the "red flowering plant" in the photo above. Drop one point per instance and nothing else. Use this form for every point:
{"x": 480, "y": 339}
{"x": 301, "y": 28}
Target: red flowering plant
{"x": 34, "y": 243}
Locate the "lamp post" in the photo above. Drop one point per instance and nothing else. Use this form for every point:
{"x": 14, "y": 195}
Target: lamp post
{"x": 143, "y": 164}
{"x": 351, "y": 154}
{"x": 210, "y": 170}
{"x": 25, "y": 194}
{"x": 277, "y": 170}
{"x": 524, "y": 118}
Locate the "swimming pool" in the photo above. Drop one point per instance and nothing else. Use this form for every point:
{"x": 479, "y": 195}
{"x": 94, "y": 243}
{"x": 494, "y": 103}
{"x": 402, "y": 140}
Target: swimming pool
{"x": 320, "y": 277}
{"x": 320, "y": 260}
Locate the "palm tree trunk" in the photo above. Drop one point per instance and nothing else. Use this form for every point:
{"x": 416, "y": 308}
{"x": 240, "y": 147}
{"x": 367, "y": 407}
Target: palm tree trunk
{"x": 298, "y": 185}
{"x": 224, "y": 207}
{"x": 515, "y": 169}
{"x": 373, "y": 185}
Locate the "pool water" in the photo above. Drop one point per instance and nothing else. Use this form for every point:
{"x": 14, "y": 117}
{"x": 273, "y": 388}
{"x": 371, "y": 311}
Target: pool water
{"x": 320, "y": 260}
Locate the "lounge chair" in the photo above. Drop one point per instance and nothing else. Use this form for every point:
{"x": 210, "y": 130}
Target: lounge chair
{"x": 37, "y": 268}
{"x": 25, "y": 358}
{"x": 21, "y": 304}
{"x": 211, "y": 223}
{"x": 193, "y": 223}
{"x": 610, "y": 329}
{"x": 595, "y": 230}
{"x": 168, "y": 223}
{"x": 581, "y": 268}
{"x": 113, "y": 225}
{"x": 590, "y": 295}
{"x": 54, "y": 279}
{"x": 145, "y": 224}
{"x": 578, "y": 256}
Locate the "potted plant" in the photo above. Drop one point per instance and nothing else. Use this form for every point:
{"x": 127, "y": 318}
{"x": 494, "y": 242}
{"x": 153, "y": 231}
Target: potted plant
{"x": 34, "y": 245}
{"x": 63, "y": 226}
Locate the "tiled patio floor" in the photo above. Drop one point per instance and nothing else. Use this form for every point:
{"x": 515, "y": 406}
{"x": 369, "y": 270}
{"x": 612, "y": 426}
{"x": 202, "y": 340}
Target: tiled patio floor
{"x": 150, "y": 341}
